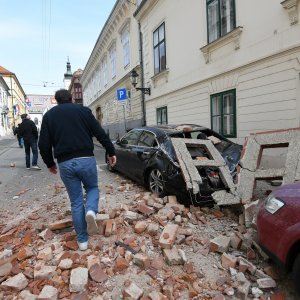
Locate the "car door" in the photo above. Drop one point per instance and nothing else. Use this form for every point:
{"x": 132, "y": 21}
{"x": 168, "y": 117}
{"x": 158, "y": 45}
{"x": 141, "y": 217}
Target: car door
{"x": 126, "y": 156}
{"x": 147, "y": 146}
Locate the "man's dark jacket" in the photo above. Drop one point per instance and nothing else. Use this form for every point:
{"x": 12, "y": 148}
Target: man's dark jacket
{"x": 28, "y": 131}
{"x": 69, "y": 128}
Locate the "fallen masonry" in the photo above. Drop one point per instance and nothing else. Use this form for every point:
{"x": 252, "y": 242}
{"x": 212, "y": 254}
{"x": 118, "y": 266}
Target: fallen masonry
{"x": 249, "y": 172}
{"x": 144, "y": 255}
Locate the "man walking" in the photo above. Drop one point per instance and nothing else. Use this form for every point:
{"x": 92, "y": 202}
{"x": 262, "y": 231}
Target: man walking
{"x": 68, "y": 128}
{"x": 29, "y": 133}
{"x": 16, "y": 132}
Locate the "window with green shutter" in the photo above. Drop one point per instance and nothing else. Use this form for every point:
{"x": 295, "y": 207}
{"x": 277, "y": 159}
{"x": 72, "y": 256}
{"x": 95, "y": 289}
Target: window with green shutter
{"x": 162, "y": 115}
{"x": 223, "y": 113}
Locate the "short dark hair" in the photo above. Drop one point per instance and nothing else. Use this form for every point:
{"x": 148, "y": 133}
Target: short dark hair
{"x": 23, "y": 116}
{"x": 63, "y": 96}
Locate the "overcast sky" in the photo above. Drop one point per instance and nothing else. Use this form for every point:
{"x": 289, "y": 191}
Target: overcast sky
{"x": 37, "y": 36}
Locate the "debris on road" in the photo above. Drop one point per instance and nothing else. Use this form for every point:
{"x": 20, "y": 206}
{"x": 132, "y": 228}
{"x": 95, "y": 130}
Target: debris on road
{"x": 174, "y": 252}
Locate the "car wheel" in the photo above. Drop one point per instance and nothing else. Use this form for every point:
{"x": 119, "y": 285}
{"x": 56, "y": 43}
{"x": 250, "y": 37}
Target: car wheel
{"x": 296, "y": 274}
{"x": 156, "y": 182}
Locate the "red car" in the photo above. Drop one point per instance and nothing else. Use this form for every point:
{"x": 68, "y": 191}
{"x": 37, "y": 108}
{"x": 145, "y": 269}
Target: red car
{"x": 278, "y": 228}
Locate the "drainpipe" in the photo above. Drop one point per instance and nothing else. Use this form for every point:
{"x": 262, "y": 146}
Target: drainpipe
{"x": 142, "y": 74}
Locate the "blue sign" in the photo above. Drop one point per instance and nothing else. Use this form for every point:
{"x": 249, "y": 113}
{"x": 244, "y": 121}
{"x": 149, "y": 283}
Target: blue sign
{"x": 121, "y": 94}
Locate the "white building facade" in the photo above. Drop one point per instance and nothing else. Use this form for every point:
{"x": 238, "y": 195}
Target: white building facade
{"x": 229, "y": 65}
{"x": 115, "y": 55}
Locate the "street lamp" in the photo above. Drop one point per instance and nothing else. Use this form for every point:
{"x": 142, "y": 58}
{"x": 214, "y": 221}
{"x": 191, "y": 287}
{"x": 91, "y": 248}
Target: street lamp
{"x": 134, "y": 79}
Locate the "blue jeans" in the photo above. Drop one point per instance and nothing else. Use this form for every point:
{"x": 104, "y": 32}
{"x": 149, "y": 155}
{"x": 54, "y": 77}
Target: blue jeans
{"x": 74, "y": 173}
{"x": 33, "y": 146}
{"x": 21, "y": 142}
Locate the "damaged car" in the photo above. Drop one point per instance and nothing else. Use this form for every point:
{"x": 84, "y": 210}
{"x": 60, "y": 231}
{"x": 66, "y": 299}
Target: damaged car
{"x": 147, "y": 156}
{"x": 278, "y": 228}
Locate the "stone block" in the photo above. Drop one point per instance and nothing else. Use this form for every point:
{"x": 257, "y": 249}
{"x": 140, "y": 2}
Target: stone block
{"x": 43, "y": 272}
{"x": 141, "y": 260}
{"x": 168, "y": 236}
{"x": 219, "y": 244}
{"x": 266, "y": 283}
{"x": 228, "y": 261}
{"x": 140, "y": 227}
{"x": 15, "y": 283}
{"x": 133, "y": 292}
{"x": 173, "y": 257}
{"x": 78, "y": 280}
{"x": 48, "y": 293}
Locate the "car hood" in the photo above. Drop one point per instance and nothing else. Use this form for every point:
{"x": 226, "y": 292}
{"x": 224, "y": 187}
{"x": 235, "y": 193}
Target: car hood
{"x": 288, "y": 191}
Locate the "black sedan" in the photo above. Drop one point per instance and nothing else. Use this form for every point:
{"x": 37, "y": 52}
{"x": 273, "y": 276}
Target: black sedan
{"x": 146, "y": 155}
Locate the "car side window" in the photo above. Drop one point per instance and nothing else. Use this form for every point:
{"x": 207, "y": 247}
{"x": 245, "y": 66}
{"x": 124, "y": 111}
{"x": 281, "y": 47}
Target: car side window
{"x": 147, "y": 139}
{"x": 131, "y": 138}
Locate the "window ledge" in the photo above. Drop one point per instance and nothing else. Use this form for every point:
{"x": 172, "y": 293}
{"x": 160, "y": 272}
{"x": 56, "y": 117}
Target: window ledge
{"x": 161, "y": 75}
{"x": 232, "y": 36}
{"x": 292, "y": 9}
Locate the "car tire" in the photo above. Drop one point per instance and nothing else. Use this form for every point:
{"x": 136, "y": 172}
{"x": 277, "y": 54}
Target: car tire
{"x": 296, "y": 274}
{"x": 156, "y": 182}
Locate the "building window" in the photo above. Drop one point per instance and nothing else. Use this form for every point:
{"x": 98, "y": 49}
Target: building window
{"x": 159, "y": 45}
{"x": 220, "y": 18}
{"x": 104, "y": 71}
{"x": 113, "y": 61}
{"x": 223, "y": 113}
{"x": 99, "y": 78}
{"x": 162, "y": 115}
{"x": 125, "y": 44}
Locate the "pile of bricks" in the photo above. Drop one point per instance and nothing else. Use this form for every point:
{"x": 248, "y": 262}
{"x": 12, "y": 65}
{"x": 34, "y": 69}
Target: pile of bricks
{"x": 150, "y": 248}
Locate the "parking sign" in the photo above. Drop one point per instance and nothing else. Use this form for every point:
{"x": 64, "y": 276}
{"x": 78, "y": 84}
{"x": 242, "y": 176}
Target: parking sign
{"x": 121, "y": 94}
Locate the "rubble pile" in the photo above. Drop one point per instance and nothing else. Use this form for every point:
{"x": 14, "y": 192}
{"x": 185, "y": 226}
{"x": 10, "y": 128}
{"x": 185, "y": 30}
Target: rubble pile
{"x": 147, "y": 248}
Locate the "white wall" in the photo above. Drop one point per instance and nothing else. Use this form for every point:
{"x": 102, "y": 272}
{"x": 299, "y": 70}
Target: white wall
{"x": 262, "y": 65}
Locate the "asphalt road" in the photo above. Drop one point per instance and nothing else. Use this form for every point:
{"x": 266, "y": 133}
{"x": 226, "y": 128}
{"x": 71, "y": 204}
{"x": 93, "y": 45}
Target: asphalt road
{"x": 16, "y": 178}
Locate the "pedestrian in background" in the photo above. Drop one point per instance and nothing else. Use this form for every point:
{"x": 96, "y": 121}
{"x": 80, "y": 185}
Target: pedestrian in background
{"x": 68, "y": 129}
{"x": 16, "y": 131}
{"x": 29, "y": 133}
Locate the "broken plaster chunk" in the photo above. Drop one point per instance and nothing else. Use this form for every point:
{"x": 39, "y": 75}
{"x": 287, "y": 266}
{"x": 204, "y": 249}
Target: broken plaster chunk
{"x": 250, "y": 211}
{"x": 251, "y": 154}
{"x": 102, "y": 217}
{"x": 16, "y": 283}
{"x": 133, "y": 292}
{"x": 266, "y": 283}
{"x": 219, "y": 244}
{"x": 48, "y": 292}
{"x": 130, "y": 215}
{"x": 173, "y": 257}
{"x": 224, "y": 198}
{"x": 5, "y": 269}
{"x": 78, "y": 280}
{"x": 168, "y": 236}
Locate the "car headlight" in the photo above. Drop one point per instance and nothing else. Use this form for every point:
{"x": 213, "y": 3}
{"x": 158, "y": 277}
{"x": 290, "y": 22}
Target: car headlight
{"x": 272, "y": 204}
